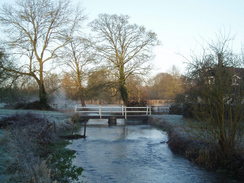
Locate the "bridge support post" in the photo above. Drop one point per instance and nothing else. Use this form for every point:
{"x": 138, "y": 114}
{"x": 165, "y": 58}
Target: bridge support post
{"x": 84, "y": 133}
{"x": 125, "y": 112}
{"x": 122, "y": 110}
{"x": 100, "y": 112}
{"x": 112, "y": 120}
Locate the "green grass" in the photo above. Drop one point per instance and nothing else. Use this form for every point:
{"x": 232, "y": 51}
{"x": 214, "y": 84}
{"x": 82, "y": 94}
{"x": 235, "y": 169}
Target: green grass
{"x": 60, "y": 161}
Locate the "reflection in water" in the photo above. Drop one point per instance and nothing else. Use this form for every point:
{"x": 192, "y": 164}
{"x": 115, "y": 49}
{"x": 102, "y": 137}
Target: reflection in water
{"x": 134, "y": 154}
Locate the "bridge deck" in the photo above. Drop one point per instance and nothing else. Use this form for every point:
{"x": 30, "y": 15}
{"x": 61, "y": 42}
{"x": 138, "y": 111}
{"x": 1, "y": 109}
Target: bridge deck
{"x": 115, "y": 116}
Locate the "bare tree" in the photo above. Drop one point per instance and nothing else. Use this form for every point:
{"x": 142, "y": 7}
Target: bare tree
{"x": 101, "y": 86}
{"x": 35, "y": 31}
{"x": 166, "y": 86}
{"x": 79, "y": 57}
{"x": 8, "y": 91}
{"x": 218, "y": 92}
{"x": 126, "y": 47}
{"x": 136, "y": 89}
{"x": 2, "y": 73}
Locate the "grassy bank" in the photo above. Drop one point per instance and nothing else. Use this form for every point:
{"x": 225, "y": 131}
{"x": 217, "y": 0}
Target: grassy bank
{"x": 189, "y": 139}
{"x": 33, "y": 152}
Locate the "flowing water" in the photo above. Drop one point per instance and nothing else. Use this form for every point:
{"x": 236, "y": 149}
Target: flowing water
{"x": 135, "y": 154}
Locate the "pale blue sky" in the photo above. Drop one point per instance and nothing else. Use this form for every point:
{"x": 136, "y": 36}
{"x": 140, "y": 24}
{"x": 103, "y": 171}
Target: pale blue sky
{"x": 182, "y": 26}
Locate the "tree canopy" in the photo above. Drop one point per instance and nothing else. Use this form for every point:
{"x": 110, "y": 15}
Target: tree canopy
{"x": 34, "y": 32}
{"x": 125, "y": 47}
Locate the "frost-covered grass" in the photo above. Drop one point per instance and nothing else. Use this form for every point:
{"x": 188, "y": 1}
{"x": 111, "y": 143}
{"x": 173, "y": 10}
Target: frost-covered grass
{"x": 53, "y": 116}
{"x": 31, "y": 150}
{"x": 177, "y": 123}
{"x": 4, "y": 156}
{"x": 196, "y": 141}
{"x": 190, "y": 128}
{"x": 2, "y": 105}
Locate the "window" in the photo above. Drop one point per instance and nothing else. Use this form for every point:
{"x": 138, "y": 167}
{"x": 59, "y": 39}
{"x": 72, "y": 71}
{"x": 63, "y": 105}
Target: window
{"x": 211, "y": 80}
{"x": 235, "y": 80}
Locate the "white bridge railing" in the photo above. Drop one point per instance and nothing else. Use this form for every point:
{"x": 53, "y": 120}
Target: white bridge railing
{"x": 116, "y": 111}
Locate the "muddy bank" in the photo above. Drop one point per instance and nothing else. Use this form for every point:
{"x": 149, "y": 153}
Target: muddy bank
{"x": 184, "y": 141}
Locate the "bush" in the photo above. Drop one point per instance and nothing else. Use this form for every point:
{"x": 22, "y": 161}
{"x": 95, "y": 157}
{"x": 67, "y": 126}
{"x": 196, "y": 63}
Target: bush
{"x": 135, "y": 103}
{"x": 188, "y": 110}
{"x": 176, "y": 109}
{"x": 33, "y": 105}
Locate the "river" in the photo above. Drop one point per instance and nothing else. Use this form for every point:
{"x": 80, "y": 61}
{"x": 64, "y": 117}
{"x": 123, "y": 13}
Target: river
{"x": 135, "y": 154}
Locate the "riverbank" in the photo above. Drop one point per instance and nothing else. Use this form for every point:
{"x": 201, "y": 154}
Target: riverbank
{"x": 195, "y": 145}
{"x": 33, "y": 152}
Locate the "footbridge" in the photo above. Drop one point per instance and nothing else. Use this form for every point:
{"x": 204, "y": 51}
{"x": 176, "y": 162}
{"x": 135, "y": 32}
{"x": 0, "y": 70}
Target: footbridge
{"x": 112, "y": 113}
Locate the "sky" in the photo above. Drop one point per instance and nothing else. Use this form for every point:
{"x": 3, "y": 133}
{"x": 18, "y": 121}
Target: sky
{"x": 182, "y": 26}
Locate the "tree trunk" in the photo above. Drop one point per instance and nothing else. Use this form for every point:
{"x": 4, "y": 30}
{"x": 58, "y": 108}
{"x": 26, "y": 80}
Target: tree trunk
{"x": 42, "y": 94}
{"x": 42, "y": 91}
{"x": 82, "y": 98}
{"x": 123, "y": 92}
{"x": 122, "y": 87}
{"x": 81, "y": 92}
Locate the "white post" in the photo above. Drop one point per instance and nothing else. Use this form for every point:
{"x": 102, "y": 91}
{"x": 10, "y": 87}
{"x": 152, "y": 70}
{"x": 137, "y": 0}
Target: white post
{"x": 125, "y": 113}
{"x": 147, "y": 111}
{"x": 122, "y": 110}
{"x": 100, "y": 112}
{"x": 150, "y": 110}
